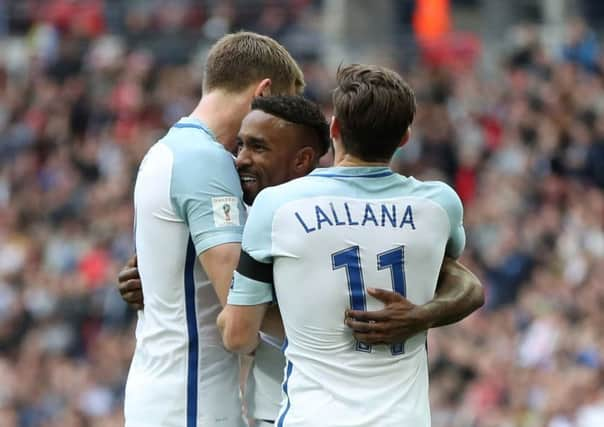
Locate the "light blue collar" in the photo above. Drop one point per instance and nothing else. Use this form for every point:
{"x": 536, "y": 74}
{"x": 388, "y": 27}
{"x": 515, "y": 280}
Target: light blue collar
{"x": 191, "y": 122}
{"x": 353, "y": 172}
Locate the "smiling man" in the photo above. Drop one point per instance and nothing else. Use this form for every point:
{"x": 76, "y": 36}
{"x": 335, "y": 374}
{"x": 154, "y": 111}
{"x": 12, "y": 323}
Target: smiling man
{"x": 282, "y": 138}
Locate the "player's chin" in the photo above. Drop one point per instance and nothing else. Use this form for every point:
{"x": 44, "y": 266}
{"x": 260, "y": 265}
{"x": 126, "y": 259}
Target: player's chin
{"x": 250, "y": 191}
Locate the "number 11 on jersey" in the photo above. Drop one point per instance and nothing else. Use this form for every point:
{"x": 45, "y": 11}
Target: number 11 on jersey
{"x": 350, "y": 260}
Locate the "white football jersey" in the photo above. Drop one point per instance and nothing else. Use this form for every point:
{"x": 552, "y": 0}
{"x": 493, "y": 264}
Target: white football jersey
{"x": 329, "y": 236}
{"x": 187, "y": 199}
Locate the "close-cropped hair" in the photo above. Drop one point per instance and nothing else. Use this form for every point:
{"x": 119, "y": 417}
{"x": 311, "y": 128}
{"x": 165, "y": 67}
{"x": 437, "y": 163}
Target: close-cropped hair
{"x": 240, "y": 59}
{"x": 298, "y": 110}
{"x": 374, "y": 107}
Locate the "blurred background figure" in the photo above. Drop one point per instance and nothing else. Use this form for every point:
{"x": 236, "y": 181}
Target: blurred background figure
{"x": 510, "y": 112}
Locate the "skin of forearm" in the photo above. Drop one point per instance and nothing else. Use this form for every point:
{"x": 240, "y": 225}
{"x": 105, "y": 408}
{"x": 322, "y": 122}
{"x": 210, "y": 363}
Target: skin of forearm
{"x": 246, "y": 348}
{"x": 236, "y": 336}
{"x": 458, "y": 294}
{"x": 251, "y": 346}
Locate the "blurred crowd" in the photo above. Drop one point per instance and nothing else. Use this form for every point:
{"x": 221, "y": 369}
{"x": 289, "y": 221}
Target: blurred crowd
{"x": 526, "y": 155}
{"x": 86, "y": 87}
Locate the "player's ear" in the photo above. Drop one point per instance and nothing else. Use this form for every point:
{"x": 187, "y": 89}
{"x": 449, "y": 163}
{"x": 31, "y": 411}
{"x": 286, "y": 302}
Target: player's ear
{"x": 305, "y": 161}
{"x": 405, "y": 138}
{"x": 334, "y": 128}
{"x": 336, "y": 140}
{"x": 263, "y": 88}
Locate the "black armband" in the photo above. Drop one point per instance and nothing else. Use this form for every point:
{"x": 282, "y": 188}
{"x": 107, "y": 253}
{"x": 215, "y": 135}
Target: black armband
{"x": 253, "y": 269}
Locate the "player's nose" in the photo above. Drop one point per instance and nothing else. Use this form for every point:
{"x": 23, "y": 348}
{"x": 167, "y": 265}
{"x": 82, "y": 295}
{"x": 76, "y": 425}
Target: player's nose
{"x": 243, "y": 159}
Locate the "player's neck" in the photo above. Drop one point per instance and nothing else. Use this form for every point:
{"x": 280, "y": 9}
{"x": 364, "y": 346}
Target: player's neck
{"x": 352, "y": 161}
{"x": 222, "y": 113}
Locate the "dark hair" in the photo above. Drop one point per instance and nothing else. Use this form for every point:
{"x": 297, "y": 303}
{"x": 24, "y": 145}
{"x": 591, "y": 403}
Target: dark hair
{"x": 240, "y": 59}
{"x": 374, "y": 107}
{"x": 298, "y": 110}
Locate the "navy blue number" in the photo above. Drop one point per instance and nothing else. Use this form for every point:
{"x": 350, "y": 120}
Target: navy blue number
{"x": 350, "y": 260}
{"x": 394, "y": 259}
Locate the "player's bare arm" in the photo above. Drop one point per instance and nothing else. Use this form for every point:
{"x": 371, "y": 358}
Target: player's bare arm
{"x": 238, "y": 323}
{"x": 239, "y": 326}
{"x": 129, "y": 284}
{"x": 217, "y": 261}
{"x": 458, "y": 294}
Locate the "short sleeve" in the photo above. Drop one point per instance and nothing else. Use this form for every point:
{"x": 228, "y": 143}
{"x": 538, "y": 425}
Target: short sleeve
{"x": 206, "y": 194}
{"x": 247, "y": 291}
{"x": 451, "y": 203}
{"x": 257, "y": 236}
{"x": 257, "y": 247}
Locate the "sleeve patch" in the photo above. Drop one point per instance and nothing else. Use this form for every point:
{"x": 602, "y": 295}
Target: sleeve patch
{"x": 226, "y": 211}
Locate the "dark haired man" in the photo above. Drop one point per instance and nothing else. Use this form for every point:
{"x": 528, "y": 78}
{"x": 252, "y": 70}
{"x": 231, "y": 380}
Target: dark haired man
{"x": 320, "y": 241}
{"x": 278, "y": 141}
{"x": 281, "y": 139}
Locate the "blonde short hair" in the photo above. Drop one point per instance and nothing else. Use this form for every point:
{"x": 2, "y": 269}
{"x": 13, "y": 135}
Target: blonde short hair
{"x": 240, "y": 59}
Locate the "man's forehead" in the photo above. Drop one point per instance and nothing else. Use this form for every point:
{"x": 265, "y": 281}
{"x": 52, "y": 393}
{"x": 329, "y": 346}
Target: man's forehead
{"x": 257, "y": 120}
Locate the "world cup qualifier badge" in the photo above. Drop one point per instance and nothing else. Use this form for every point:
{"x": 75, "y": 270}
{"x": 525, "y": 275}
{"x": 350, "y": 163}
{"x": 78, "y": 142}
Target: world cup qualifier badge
{"x": 226, "y": 211}
{"x": 226, "y": 208}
